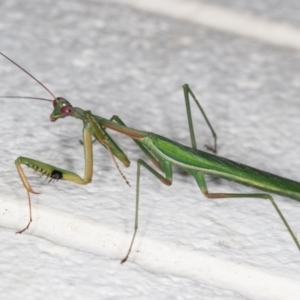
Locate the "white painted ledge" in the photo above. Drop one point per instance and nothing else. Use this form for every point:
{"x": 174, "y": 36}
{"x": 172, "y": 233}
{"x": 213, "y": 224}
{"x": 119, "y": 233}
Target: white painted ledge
{"x": 279, "y": 34}
{"x": 86, "y": 235}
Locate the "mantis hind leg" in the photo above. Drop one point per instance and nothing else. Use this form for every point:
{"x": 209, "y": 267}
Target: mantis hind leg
{"x": 187, "y": 91}
{"x": 202, "y": 184}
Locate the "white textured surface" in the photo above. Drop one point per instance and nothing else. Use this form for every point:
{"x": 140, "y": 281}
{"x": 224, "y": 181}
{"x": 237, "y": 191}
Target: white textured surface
{"x": 115, "y": 60}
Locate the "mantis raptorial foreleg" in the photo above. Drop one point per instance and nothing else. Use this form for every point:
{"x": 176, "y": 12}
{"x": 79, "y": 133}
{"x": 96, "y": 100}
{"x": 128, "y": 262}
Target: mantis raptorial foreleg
{"x": 91, "y": 127}
{"x": 55, "y": 173}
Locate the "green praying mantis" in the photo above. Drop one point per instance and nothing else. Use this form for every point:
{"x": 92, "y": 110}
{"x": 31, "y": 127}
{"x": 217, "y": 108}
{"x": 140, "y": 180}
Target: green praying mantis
{"x": 162, "y": 152}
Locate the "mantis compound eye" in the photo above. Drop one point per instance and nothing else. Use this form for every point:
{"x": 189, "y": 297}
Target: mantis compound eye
{"x": 66, "y": 111}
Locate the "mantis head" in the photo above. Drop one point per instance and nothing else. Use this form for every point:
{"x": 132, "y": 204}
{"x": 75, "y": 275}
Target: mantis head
{"x": 62, "y": 109}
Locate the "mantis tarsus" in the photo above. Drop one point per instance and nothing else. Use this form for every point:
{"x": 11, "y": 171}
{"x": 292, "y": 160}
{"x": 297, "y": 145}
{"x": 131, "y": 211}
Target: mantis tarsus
{"x": 163, "y": 153}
